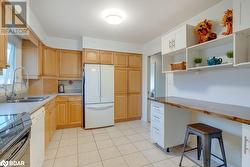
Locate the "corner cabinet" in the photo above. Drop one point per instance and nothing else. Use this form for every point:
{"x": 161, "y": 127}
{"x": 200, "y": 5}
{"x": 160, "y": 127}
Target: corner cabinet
{"x": 245, "y": 145}
{"x": 241, "y": 15}
{"x": 3, "y": 51}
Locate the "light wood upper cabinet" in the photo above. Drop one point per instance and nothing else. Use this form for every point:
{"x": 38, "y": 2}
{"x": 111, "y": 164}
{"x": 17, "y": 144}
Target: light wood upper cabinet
{"x": 121, "y": 107}
{"x": 134, "y": 106}
{"x": 70, "y": 64}
{"x": 134, "y": 81}
{"x": 106, "y": 57}
{"x": 92, "y": 56}
{"x": 134, "y": 61}
{"x": 121, "y": 59}
{"x": 50, "y": 62}
{"x": 3, "y": 51}
{"x": 32, "y": 58}
{"x": 121, "y": 82}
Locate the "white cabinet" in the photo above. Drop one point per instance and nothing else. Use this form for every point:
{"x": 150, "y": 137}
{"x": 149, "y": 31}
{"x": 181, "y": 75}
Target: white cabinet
{"x": 245, "y": 145}
{"x": 241, "y": 15}
{"x": 178, "y": 39}
{"x": 37, "y": 147}
{"x": 168, "y": 124}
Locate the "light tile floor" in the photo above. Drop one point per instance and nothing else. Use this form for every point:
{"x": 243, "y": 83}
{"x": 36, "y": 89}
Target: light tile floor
{"x": 126, "y": 144}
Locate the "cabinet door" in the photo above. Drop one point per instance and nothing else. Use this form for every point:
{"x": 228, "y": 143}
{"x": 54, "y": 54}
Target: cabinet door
{"x": 134, "y": 106}
{"x": 75, "y": 113}
{"x": 47, "y": 127}
{"x": 92, "y": 56}
{"x": 134, "y": 61}
{"x": 121, "y": 80}
{"x": 40, "y": 58}
{"x": 70, "y": 64}
{"x": 50, "y": 62}
{"x": 180, "y": 40}
{"x": 106, "y": 57}
{"x": 120, "y": 107}
{"x": 62, "y": 114}
{"x": 168, "y": 43}
{"x": 241, "y": 15}
{"x": 134, "y": 81}
{"x": 245, "y": 145}
{"x": 3, "y": 51}
{"x": 120, "y": 59}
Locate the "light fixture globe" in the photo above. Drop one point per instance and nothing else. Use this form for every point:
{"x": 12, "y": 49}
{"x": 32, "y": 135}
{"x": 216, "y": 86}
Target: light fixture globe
{"x": 114, "y": 16}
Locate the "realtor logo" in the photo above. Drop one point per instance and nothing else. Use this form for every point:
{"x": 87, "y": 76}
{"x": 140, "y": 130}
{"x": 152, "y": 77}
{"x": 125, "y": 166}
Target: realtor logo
{"x": 4, "y": 163}
{"x": 14, "y": 17}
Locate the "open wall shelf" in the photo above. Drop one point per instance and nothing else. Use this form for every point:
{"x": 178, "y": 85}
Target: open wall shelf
{"x": 215, "y": 48}
{"x": 242, "y": 48}
{"x": 238, "y": 42}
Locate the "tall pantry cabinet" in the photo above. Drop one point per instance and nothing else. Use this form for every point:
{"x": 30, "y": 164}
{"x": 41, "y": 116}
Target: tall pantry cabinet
{"x": 127, "y": 86}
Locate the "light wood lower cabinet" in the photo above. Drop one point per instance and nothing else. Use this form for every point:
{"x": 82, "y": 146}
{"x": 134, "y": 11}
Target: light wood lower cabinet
{"x": 134, "y": 106}
{"x": 69, "y": 112}
{"x": 50, "y": 121}
{"x": 120, "y": 107}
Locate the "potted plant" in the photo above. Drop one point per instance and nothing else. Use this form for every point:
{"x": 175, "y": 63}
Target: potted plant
{"x": 198, "y": 61}
{"x": 230, "y": 55}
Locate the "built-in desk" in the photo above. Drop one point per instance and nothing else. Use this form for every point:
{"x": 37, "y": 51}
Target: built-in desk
{"x": 236, "y": 113}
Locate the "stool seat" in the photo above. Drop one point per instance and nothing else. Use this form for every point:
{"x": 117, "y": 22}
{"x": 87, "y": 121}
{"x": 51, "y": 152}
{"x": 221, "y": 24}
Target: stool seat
{"x": 204, "y": 129}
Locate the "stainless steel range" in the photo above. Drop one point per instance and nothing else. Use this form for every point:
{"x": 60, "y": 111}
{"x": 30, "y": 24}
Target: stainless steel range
{"x": 15, "y": 140}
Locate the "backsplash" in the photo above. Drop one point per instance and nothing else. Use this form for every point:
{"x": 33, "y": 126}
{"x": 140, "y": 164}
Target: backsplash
{"x": 72, "y": 86}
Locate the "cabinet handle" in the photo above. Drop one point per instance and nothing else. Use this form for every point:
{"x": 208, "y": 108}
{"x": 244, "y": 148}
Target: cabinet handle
{"x": 173, "y": 43}
{"x": 157, "y": 117}
{"x": 170, "y": 45}
{"x": 245, "y": 145}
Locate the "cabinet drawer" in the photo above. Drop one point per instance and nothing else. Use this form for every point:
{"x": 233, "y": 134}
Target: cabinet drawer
{"x": 157, "y": 120}
{"x": 157, "y": 136}
{"x": 157, "y": 108}
{"x": 75, "y": 98}
{"x": 62, "y": 98}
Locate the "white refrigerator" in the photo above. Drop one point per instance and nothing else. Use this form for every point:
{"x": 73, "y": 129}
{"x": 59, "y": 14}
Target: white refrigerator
{"x": 98, "y": 95}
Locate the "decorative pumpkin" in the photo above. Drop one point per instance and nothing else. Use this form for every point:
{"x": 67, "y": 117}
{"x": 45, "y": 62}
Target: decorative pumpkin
{"x": 204, "y": 31}
{"x": 227, "y": 21}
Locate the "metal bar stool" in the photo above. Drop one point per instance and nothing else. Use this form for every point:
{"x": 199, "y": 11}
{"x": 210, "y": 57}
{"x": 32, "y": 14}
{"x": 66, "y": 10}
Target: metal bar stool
{"x": 205, "y": 134}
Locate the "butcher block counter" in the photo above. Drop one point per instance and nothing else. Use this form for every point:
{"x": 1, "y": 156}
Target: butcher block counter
{"x": 236, "y": 113}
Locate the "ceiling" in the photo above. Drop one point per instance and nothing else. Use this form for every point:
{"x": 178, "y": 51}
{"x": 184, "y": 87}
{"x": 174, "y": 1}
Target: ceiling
{"x": 146, "y": 19}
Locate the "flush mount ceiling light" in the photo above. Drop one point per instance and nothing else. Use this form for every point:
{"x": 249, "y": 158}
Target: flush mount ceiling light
{"x": 114, "y": 16}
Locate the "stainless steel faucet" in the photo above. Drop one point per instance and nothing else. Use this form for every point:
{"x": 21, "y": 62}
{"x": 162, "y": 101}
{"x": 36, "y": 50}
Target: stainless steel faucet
{"x": 13, "y": 95}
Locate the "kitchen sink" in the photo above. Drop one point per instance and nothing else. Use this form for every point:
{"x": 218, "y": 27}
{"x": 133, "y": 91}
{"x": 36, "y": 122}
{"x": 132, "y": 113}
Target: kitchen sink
{"x": 28, "y": 99}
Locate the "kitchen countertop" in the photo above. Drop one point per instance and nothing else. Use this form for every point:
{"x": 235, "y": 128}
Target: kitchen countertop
{"x": 235, "y": 113}
{"x": 16, "y": 108}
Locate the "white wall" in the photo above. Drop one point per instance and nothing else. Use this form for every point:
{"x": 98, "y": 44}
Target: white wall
{"x": 231, "y": 86}
{"x": 64, "y": 43}
{"x": 94, "y": 43}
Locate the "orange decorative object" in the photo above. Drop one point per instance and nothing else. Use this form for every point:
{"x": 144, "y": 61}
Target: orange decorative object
{"x": 204, "y": 31}
{"x": 178, "y": 66}
{"x": 227, "y": 21}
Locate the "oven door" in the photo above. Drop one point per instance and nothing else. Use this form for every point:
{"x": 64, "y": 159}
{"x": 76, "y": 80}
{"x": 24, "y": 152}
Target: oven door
{"x": 19, "y": 152}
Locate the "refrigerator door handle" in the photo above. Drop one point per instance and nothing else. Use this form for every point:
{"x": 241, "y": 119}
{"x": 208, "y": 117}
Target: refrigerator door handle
{"x": 100, "y": 107}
